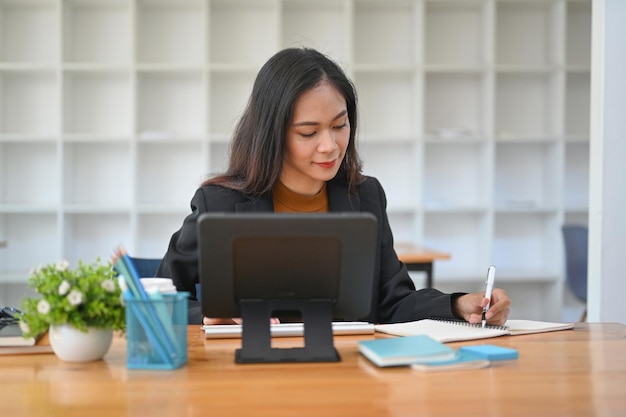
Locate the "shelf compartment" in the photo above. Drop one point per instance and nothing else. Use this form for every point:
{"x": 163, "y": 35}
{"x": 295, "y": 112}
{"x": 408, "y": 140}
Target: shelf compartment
{"x": 525, "y": 105}
{"x": 97, "y": 103}
{"x": 88, "y": 236}
{"x": 397, "y": 116}
{"x": 218, "y": 158}
{"x": 456, "y": 176}
{"x": 578, "y": 34}
{"x": 28, "y": 104}
{"x": 32, "y": 240}
{"x": 168, "y": 173}
{"x": 229, "y": 93}
{"x": 171, "y": 104}
{"x": 577, "y": 104}
{"x": 465, "y": 236}
{"x": 527, "y": 176}
{"x": 242, "y": 32}
{"x": 394, "y": 166}
{"x": 454, "y": 105}
{"x": 154, "y": 233}
{"x": 455, "y": 33}
{"x": 171, "y": 32}
{"x": 29, "y": 32}
{"x": 527, "y": 244}
{"x": 97, "y": 175}
{"x": 537, "y": 297}
{"x": 576, "y": 180}
{"x": 28, "y": 174}
{"x": 385, "y": 33}
{"x": 97, "y": 32}
{"x": 525, "y": 33}
{"x": 319, "y": 24}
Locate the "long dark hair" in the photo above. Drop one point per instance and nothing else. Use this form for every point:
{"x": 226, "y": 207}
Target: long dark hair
{"x": 257, "y": 146}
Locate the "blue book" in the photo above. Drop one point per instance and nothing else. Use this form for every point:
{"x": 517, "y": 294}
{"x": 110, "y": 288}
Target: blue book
{"x": 404, "y": 351}
{"x": 491, "y": 352}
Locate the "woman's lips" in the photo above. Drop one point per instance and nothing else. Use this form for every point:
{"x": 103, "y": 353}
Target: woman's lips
{"x": 328, "y": 164}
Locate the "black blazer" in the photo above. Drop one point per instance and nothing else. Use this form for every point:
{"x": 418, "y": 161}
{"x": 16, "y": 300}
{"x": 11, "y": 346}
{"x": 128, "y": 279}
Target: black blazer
{"x": 394, "y": 297}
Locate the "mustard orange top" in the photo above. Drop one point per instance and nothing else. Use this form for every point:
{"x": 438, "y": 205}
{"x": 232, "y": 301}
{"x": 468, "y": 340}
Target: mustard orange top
{"x": 287, "y": 201}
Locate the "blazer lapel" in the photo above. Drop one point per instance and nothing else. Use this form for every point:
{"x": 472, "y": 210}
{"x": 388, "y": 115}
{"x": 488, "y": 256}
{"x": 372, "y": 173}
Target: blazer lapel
{"x": 261, "y": 204}
{"x": 340, "y": 200}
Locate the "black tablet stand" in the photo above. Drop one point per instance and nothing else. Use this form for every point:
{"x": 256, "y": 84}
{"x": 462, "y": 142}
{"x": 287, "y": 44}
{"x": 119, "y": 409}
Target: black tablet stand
{"x": 256, "y": 335}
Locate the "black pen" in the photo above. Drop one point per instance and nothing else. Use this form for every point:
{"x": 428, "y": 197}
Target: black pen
{"x": 491, "y": 276}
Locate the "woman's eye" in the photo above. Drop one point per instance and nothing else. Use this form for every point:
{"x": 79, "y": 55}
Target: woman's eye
{"x": 341, "y": 126}
{"x": 307, "y": 135}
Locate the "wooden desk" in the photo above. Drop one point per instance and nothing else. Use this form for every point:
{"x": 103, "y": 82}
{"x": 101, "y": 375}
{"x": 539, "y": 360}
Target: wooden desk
{"x": 419, "y": 258}
{"x": 579, "y": 372}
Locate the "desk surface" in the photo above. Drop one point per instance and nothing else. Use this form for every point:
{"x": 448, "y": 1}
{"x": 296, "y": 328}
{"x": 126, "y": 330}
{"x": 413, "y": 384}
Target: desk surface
{"x": 410, "y": 253}
{"x": 579, "y": 372}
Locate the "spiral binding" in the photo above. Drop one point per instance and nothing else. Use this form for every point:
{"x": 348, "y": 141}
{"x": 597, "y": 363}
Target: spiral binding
{"x": 467, "y": 324}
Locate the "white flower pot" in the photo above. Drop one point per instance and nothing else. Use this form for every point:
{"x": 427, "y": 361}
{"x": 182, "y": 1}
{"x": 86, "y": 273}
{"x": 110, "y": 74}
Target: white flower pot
{"x": 73, "y": 345}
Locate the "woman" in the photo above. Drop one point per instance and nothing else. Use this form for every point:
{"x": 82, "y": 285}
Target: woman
{"x": 294, "y": 151}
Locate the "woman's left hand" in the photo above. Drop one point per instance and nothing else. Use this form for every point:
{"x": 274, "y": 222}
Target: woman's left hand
{"x": 470, "y": 307}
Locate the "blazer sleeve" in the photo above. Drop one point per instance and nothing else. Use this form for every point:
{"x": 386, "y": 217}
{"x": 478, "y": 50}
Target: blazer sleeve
{"x": 181, "y": 259}
{"x": 398, "y": 301}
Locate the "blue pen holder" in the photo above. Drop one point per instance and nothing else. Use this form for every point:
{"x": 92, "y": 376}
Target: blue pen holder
{"x": 156, "y": 331}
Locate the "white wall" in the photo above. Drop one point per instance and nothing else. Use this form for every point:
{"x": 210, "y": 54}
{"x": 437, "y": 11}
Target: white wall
{"x": 607, "y": 196}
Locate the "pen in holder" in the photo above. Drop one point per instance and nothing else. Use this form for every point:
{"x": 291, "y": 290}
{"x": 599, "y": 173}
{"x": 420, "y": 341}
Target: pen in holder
{"x": 156, "y": 347}
{"x": 156, "y": 324}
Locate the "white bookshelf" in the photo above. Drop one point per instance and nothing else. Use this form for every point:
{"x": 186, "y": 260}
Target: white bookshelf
{"x": 474, "y": 114}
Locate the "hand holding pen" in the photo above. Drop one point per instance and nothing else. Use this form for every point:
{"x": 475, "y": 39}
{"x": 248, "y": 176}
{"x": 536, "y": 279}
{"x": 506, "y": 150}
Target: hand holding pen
{"x": 470, "y": 307}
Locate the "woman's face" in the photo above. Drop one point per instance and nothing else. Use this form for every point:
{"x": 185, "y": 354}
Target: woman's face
{"x": 316, "y": 140}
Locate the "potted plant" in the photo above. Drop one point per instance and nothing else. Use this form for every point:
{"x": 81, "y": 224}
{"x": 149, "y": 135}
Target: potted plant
{"x": 80, "y": 307}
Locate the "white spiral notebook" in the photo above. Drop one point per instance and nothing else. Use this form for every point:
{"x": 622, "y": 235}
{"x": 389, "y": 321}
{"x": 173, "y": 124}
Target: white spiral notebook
{"x": 444, "y": 330}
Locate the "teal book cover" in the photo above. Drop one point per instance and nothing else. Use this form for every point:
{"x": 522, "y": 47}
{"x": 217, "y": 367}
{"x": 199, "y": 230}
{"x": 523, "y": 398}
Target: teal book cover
{"x": 404, "y": 351}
